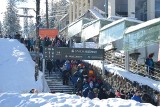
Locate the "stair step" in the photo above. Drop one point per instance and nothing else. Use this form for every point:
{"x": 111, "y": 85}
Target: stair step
{"x": 61, "y": 90}
{"x": 53, "y": 78}
{"x": 55, "y": 83}
{"x": 61, "y": 87}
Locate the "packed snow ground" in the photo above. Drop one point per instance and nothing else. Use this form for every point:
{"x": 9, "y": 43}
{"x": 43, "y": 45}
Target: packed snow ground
{"x": 62, "y": 100}
{"x": 17, "y": 79}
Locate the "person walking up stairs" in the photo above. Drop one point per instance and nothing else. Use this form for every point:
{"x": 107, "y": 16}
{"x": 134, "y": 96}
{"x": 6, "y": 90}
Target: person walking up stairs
{"x": 55, "y": 82}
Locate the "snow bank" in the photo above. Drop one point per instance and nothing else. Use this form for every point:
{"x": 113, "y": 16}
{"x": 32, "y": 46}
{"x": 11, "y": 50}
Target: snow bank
{"x": 17, "y": 68}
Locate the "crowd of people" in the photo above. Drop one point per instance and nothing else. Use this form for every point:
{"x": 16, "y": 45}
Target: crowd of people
{"x": 88, "y": 84}
{"x": 83, "y": 76}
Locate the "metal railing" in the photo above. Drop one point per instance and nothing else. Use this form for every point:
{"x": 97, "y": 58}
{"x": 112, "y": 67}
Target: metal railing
{"x": 134, "y": 66}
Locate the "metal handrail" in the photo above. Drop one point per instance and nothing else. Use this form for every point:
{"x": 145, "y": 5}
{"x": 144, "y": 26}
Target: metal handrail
{"x": 145, "y": 74}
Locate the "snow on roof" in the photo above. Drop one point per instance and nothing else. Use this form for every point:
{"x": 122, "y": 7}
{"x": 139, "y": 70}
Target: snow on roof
{"x": 119, "y": 21}
{"x": 115, "y": 17}
{"x": 142, "y": 25}
{"x": 90, "y": 23}
{"x": 92, "y": 11}
{"x": 64, "y": 16}
{"x": 96, "y": 14}
{"x": 88, "y": 45}
{"x": 78, "y": 21}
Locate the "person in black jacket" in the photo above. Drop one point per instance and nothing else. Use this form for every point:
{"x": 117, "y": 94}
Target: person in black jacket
{"x": 49, "y": 66}
{"x": 102, "y": 93}
{"x": 146, "y": 98}
{"x": 111, "y": 94}
{"x": 17, "y": 36}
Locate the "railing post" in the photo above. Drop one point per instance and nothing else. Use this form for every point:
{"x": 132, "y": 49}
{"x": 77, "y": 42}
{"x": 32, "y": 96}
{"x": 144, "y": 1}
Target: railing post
{"x": 43, "y": 74}
{"x": 127, "y": 60}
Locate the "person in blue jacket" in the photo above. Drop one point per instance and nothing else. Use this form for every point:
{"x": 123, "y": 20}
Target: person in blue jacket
{"x": 150, "y": 64}
{"x": 137, "y": 97}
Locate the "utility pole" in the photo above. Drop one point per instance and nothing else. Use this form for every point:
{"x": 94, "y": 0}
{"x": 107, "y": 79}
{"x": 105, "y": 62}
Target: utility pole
{"x": 37, "y": 39}
{"x": 47, "y": 14}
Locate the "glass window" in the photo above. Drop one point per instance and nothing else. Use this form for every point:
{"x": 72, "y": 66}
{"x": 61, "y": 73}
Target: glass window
{"x": 157, "y": 8}
{"x": 121, "y": 7}
{"x": 141, "y": 9}
{"x": 142, "y": 37}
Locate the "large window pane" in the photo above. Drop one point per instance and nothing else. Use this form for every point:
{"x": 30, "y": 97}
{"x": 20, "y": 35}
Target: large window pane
{"x": 122, "y": 7}
{"x": 141, "y": 38}
{"x": 157, "y": 8}
{"x": 141, "y": 9}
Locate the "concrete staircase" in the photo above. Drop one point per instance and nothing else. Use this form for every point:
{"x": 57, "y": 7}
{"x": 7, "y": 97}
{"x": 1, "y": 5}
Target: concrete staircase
{"x": 55, "y": 83}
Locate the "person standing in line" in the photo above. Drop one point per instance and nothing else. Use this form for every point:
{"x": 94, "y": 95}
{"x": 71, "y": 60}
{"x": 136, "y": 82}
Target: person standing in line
{"x": 17, "y": 36}
{"x": 150, "y": 64}
{"x": 137, "y": 96}
{"x": 49, "y": 66}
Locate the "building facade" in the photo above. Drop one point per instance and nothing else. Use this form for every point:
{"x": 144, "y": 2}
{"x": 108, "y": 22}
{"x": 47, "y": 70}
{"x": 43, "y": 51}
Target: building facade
{"x": 78, "y": 7}
{"x": 140, "y": 9}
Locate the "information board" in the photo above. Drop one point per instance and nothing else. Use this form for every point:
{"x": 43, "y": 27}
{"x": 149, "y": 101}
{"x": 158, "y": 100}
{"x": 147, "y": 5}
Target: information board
{"x": 74, "y": 53}
{"x": 48, "y": 53}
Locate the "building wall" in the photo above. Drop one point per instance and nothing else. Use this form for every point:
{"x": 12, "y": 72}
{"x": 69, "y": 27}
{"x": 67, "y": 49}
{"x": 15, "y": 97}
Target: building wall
{"x": 141, "y": 9}
{"x": 79, "y": 7}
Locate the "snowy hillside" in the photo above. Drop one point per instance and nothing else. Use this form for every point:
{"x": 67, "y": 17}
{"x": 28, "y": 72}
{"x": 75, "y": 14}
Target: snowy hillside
{"x": 16, "y": 68}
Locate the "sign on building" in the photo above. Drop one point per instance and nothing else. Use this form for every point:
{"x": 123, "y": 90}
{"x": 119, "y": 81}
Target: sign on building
{"x": 74, "y": 53}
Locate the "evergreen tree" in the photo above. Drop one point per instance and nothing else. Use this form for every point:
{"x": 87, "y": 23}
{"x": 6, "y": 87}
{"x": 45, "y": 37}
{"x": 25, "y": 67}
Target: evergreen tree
{"x": 57, "y": 10}
{"x": 11, "y": 20}
{"x": 0, "y": 29}
{"x": 32, "y": 28}
{"x": 43, "y": 20}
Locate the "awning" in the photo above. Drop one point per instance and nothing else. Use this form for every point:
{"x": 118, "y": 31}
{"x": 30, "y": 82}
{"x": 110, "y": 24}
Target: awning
{"x": 51, "y": 33}
{"x": 142, "y": 35}
{"x": 92, "y": 28}
{"x": 114, "y": 31}
{"x": 76, "y": 27}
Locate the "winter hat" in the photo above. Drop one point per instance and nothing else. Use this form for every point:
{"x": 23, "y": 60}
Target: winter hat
{"x": 151, "y": 55}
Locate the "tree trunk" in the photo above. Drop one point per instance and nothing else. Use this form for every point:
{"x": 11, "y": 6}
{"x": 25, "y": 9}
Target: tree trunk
{"x": 47, "y": 14}
{"x": 37, "y": 39}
